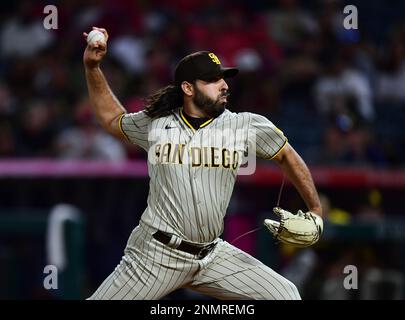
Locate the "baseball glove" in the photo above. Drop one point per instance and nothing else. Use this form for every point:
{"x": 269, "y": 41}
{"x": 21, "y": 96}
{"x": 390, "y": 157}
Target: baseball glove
{"x": 301, "y": 230}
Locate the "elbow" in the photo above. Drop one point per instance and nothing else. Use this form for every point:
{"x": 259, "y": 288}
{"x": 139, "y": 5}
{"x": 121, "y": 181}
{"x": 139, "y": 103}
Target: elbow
{"x": 113, "y": 126}
{"x": 281, "y": 156}
{"x": 105, "y": 123}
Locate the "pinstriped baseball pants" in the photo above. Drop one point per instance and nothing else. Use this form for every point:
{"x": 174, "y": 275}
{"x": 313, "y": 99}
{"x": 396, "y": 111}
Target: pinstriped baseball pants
{"x": 150, "y": 270}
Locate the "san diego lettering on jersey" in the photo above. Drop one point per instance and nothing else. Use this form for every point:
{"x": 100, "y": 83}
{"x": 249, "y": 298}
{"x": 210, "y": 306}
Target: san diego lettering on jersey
{"x": 193, "y": 172}
{"x": 210, "y": 157}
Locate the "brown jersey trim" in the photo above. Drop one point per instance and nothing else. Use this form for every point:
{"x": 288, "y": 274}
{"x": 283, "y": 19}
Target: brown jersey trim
{"x": 120, "y": 126}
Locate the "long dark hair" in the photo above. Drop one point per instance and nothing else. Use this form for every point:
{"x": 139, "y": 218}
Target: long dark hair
{"x": 163, "y": 101}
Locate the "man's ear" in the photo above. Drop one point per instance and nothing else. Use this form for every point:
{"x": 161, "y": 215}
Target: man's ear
{"x": 187, "y": 88}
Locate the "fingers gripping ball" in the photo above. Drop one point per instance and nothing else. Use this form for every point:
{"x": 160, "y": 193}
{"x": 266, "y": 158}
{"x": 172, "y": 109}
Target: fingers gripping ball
{"x": 95, "y": 36}
{"x": 301, "y": 230}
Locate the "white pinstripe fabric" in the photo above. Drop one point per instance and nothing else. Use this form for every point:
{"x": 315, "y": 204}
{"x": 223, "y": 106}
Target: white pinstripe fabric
{"x": 150, "y": 270}
{"x": 190, "y": 202}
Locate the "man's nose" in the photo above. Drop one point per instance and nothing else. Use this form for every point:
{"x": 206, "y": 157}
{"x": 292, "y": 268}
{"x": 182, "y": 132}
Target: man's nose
{"x": 223, "y": 85}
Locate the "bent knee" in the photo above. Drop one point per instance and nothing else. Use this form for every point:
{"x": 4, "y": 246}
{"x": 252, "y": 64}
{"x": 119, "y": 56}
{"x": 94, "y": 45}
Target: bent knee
{"x": 283, "y": 289}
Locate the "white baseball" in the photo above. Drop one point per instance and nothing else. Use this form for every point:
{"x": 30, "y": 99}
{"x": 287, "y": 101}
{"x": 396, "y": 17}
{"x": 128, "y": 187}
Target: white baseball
{"x": 94, "y": 36}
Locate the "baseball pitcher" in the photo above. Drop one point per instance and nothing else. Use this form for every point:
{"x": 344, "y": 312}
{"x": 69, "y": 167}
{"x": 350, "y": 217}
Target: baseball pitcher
{"x": 195, "y": 148}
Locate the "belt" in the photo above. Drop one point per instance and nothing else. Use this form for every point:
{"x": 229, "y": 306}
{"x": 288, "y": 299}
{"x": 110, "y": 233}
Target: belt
{"x": 185, "y": 246}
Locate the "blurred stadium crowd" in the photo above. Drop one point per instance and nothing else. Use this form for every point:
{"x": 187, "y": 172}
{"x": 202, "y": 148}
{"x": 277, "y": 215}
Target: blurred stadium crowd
{"x": 337, "y": 94}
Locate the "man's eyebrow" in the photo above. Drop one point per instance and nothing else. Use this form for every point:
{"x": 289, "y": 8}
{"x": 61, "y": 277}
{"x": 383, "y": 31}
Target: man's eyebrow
{"x": 214, "y": 79}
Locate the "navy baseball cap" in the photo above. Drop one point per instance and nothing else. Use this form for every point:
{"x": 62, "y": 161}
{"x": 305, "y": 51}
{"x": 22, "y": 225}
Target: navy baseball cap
{"x": 202, "y": 65}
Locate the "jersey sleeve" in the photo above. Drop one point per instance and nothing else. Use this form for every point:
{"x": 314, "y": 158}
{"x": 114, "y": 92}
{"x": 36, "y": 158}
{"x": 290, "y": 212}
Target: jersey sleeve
{"x": 268, "y": 139}
{"x": 135, "y": 127}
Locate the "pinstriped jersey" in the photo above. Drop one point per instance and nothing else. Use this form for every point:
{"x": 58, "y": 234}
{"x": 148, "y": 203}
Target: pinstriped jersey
{"x": 193, "y": 172}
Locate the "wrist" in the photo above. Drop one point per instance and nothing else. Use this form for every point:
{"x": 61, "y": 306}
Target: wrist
{"x": 318, "y": 220}
{"x": 92, "y": 67}
{"x": 316, "y": 210}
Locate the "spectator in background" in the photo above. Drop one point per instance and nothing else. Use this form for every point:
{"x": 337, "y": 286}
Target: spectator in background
{"x": 87, "y": 140}
{"x": 370, "y": 209}
{"x": 7, "y": 113}
{"x": 7, "y": 140}
{"x": 289, "y": 22}
{"x": 334, "y": 215}
{"x": 277, "y": 47}
{"x": 348, "y": 142}
{"x": 36, "y": 130}
{"x": 343, "y": 90}
{"x": 391, "y": 79}
{"x": 7, "y": 101}
{"x": 23, "y": 35}
{"x": 129, "y": 50}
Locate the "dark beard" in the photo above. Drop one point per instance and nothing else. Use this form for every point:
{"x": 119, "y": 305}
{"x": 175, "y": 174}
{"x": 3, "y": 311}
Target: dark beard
{"x": 212, "y": 108}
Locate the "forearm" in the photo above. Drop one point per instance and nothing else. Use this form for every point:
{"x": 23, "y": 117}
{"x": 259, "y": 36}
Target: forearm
{"x": 103, "y": 101}
{"x": 298, "y": 173}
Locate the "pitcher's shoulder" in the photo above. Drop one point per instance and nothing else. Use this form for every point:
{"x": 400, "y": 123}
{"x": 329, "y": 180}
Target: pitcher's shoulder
{"x": 237, "y": 115}
{"x": 166, "y": 120}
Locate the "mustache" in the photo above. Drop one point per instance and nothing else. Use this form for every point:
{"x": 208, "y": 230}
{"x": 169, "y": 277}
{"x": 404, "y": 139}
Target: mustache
{"x": 225, "y": 94}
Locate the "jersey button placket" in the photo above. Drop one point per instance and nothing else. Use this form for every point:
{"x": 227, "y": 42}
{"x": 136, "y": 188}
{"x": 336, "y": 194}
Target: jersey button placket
{"x": 198, "y": 201}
